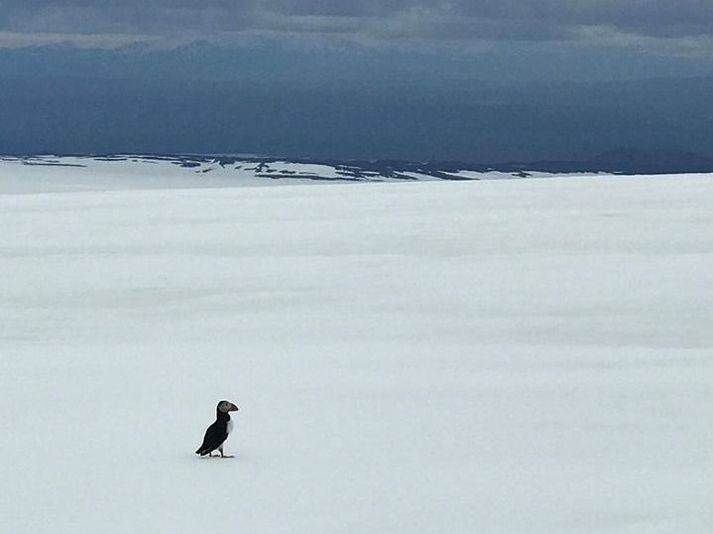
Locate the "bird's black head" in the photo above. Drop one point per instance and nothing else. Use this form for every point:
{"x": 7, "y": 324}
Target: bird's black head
{"x": 227, "y": 406}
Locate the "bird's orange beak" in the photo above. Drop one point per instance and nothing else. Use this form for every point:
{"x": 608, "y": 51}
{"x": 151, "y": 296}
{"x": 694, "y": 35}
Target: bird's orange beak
{"x": 233, "y": 408}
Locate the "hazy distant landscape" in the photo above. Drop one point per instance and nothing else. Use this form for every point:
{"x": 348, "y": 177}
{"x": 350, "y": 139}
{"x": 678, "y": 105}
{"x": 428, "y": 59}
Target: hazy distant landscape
{"x": 338, "y": 105}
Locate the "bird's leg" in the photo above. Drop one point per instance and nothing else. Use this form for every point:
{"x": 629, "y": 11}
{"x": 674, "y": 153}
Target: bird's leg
{"x": 224, "y": 455}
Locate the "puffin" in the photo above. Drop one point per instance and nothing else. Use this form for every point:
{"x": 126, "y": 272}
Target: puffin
{"x": 217, "y": 433}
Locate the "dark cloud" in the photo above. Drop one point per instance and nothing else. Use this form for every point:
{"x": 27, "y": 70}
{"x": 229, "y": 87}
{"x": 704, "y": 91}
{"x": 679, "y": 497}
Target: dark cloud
{"x": 377, "y": 19}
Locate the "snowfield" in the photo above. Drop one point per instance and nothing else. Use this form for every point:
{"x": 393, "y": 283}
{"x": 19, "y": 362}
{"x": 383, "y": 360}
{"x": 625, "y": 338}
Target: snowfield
{"x": 519, "y": 356}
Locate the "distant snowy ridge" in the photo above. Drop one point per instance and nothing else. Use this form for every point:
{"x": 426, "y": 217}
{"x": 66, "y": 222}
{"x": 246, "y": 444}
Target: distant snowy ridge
{"x": 195, "y": 171}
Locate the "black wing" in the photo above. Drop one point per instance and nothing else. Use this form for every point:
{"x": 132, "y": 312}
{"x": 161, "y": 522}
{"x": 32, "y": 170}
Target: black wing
{"x": 214, "y": 438}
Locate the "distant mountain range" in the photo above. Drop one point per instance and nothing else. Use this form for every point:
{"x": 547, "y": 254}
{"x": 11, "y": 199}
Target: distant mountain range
{"x": 256, "y": 168}
{"x": 622, "y": 161}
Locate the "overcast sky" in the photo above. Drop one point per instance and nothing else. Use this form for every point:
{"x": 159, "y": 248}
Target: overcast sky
{"x": 666, "y": 25}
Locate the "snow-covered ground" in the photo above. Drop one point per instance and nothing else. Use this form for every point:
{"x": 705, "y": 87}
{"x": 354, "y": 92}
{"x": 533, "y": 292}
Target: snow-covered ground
{"x": 528, "y": 356}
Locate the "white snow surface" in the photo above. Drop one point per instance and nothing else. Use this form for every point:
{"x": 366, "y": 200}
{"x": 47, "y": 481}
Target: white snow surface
{"x": 518, "y": 356}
